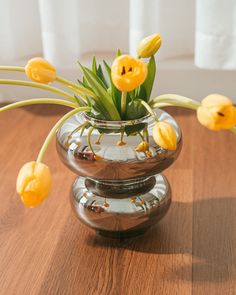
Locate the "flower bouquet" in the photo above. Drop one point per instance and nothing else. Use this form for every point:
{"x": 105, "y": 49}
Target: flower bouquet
{"x": 116, "y": 138}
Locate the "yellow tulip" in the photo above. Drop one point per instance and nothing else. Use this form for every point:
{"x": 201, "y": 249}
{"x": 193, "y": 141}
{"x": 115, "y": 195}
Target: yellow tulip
{"x": 164, "y": 135}
{"x": 149, "y": 46}
{"x": 127, "y": 72}
{"x": 217, "y": 112}
{"x": 142, "y": 147}
{"x": 33, "y": 183}
{"x": 39, "y": 70}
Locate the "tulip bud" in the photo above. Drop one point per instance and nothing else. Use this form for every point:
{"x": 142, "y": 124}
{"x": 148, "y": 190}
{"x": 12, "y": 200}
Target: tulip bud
{"x": 149, "y": 46}
{"x": 164, "y": 135}
{"x": 217, "y": 112}
{"x": 33, "y": 183}
{"x": 142, "y": 147}
{"x": 39, "y": 70}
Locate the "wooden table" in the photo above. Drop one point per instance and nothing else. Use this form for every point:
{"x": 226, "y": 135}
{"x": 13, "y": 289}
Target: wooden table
{"x": 47, "y": 251}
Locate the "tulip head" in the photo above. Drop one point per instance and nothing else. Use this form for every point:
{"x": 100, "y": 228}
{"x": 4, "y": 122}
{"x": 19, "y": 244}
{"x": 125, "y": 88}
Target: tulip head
{"x": 217, "y": 112}
{"x": 127, "y": 72}
{"x": 142, "y": 147}
{"x": 39, "y": 70}
{"x": 164, "y": 135}
{"x": 33, "y": 183}
{"x": 149, "y": 46}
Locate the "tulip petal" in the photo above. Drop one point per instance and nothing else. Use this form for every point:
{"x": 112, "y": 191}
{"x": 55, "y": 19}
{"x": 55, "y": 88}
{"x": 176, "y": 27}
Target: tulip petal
{"x": 33, "y": 183}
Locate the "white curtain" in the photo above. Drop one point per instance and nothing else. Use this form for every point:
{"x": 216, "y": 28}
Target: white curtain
{"x": 64, "y": 30}
{"x": 215, "y": 46}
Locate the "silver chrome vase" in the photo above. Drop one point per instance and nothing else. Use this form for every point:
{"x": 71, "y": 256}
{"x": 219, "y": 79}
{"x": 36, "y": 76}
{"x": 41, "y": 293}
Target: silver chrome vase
{"x": 121, "y": 192}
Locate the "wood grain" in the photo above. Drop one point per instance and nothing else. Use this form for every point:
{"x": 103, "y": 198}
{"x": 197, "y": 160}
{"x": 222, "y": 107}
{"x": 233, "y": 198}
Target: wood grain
{"x": 47, "y": 251}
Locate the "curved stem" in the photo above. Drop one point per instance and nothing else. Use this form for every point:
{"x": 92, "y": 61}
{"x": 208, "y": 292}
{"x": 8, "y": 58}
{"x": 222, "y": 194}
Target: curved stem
{"x": 37, "y": 101}
{"x": 89, "y": 139}
{"x": 98, "y": 141}
{"x": 55, "y": 128}
{"x": 58, "y": 79}
{"x": 38, "y": 85}
{"x": 81, "y": 95}
{"x": 141, "y": 136}
{"x": 83, "y": 128}
{"x": 145, "y": 133}
{"x": 10, "y": 68}
{"x": 75, "y": 87}
{"x": 178, "y": 104}
{"x": 175, "y": 98}
{"x": 77, "y": 129}
{"x": 149, "y": 109}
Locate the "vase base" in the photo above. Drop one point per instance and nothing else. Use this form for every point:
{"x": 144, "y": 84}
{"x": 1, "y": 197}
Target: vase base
{"x": 121, "y": 215}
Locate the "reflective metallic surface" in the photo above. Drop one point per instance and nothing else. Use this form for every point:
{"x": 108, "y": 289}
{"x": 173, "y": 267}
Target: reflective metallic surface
{"x": 121, "y": 193}
{"x": 118, "y": 162}
{"x": 121, "y": 217}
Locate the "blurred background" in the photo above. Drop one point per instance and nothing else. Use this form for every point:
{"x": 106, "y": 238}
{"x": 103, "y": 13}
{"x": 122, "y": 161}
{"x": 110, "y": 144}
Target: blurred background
{"x": 198, "y": 55}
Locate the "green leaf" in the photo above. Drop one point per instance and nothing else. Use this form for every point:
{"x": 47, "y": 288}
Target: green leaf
{"x": 94, "y": 65}
{"x": 132, "y": 94}
{"x": 97, "y": 113}
{"x": 148, "y": 83}
{"x": 97, "y": 70}
{"x": 141, "y": 93}
{"x": 135, "y": 110}
{"x": 102, "y": 77}
{"x": 134, "y": 128}
{"x": 116, "y": 94}
{"x": 90, "y": 100}
{"x": 104, "y": 98}
{"x": 84, "y": 84}
{"x": 80, "y": 102}
{"x": 118, "y": 52}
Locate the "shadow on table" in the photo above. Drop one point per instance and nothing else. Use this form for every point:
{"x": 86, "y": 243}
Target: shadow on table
{"x": 205, "y": 229}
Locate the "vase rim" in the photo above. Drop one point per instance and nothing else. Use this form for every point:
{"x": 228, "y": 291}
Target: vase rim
{"x": 120, "y": 123}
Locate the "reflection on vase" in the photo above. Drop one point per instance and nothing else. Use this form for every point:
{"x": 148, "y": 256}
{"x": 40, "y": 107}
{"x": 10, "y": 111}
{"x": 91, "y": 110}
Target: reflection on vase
{"x": 121, "y": 192}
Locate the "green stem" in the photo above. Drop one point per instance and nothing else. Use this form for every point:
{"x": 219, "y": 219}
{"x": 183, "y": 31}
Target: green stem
{"x": 140, "y": 134}
{"x": 83, "y": 128}
{"x": 123, "y": 102}
{"x": 149, "y": 109}
{"x": 177, "y": 104}
{"x": 10, "y": 68}
{"x": 98, "y": 141}
{"x": 89, "y": 139}
{"x": 122, "y": 133}
{"x": 77, "y": 88}
{"x": 78, "y": 129}
{"x": 37, "y": 101}
{"x": 59, "y": 79}
{"x": 54, "y": 130}
{"x": 38, "y": 85}
{"x": 170, "y": 98}
{"x": 145, "y": 133}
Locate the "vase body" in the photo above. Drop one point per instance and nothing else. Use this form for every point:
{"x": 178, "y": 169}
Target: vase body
{"x": 120, "y": 191}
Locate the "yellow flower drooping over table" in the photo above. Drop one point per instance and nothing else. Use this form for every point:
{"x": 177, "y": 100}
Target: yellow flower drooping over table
{"x": 128, "y": 72}
{"x": 149, "y": 46}
{"x": 164, "y": 135}
{"x": 40, "y": 70}
{"x": 34, "y": 183}
{"x": 217, "y": 112}
{"x": 95, "y": 95}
